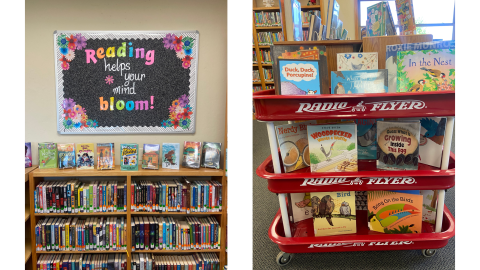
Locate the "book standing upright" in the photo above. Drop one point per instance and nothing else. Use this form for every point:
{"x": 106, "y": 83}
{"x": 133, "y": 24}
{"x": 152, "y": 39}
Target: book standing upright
{"x": 105, "y": 156}
{"x": 85, "y": 156}
{"x": 171, "y": 156}
{"x": 129, "y": 157}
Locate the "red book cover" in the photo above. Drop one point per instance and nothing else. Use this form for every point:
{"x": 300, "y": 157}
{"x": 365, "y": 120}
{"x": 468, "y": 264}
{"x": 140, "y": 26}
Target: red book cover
{"x": 132, "y": 200}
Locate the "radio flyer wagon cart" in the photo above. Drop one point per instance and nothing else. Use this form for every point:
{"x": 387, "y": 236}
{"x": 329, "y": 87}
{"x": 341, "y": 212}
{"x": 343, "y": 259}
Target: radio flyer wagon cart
{"x": 270, "y": 107}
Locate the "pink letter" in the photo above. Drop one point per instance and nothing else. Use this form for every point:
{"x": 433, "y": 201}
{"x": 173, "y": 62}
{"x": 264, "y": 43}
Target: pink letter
{"x": 91, "y": 55}
{"x": 150, "y": 57}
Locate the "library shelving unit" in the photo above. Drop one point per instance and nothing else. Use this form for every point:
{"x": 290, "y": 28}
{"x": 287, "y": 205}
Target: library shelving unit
{"x": 299, "y": 238}
{"x": 28, "y": 222}
{"x": 39, "y": 175}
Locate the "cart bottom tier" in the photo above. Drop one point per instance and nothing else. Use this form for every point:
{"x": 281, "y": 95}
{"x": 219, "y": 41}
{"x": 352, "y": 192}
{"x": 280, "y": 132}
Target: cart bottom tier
{"x": 303, "y": 240}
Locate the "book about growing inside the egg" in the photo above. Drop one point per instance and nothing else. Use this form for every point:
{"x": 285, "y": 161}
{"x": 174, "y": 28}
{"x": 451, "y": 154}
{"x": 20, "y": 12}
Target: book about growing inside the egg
{"x": 66, "y": 155}
{"x": 398, "y": 145}
{"x": 129, "y": 157}
{"x": 359, "y": 81}
{"x": 333, "y": 212}
{"x": 293, "y": 142}
{"x": 392, "y": 212}
{"x": 151, "y": 153}
{"x": 85, "y": 156}
{"x": 333, "y": 148}
{"x": 357, "y": 61}
{"x": 171, "y": 156}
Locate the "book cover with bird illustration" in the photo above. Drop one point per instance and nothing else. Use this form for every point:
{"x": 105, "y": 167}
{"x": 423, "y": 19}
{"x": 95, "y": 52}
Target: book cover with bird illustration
{"x": 105, "y": 156}
{"x": 367, "y": 138}
{"x": 171, "y": 156}
{"x": 129, "y": 157}
{"x": 299, "y": 77}
{"x": 333, "y": 212}
{"x": 406, "y": 17}
{"x": 357, "y": 61}
{"x": 85, "y": 156}
{"x": 192, "y": 154}
{"x": 429, "y": 210}
{"x": 47, "y": 155}
{"x": 333, "y": 148}
{"x": 299, "y": 206}
{"x": 299, "y": 52}
{"x": 151, "y": 154}
{"x": 211, "y": 155}
{"x": 293, "y": 142}
{"x": 391, "y": 56}
{"x": 426, "y": 70}
{"x": 432, "y": 134}
{"x": 398, "y": 145}
{"x": 392, "y": 212}
{"x": 359, "y": 81}
{"x": 66, "y": 155}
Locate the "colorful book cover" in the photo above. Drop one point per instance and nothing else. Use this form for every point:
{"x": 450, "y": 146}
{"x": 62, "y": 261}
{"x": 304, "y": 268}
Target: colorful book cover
{"x": 333, "y": 212}
{"x": 299, "y": 77}
{"x": 300, "y": 206}
{"x": 357, "y": 61}
{"x": 151, "y": 154}
{"x": 361, "y": 200}
{"x": 129, "y": 157}
{"x": 85, "y": 156}
{"x": 28, "y": 154}
{"x": 47, "y": 155}
{"x": 105, "y": 156}
{"x": 426, "y": 70}
{"x": 429, "y": 210}
{"x": 392, "y": 212}
{"x": 432, "y": 134}
{"x": 391, "y": 56}
{"x": 192, "y": 154}
{"x": 211, "y": 155}
{"x": 293, "y": 142}
{"x": 389, "y": 24}
{"x": 171, "y": 156}
{"x": 359, "y": 81}
{"x": 297, "y": 20}
{"x": 367, "y": 138}
{"x": 406, "y": 17}
{"x": 66, "y": 155}
{"x": 398, "y": 145}
{"x": 299, "y": 52}
{"x": 333, "y": 148}
{"x": 376, "y": 15}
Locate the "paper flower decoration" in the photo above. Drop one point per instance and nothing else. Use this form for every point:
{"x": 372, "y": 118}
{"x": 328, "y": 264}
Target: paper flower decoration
{"x": 62, "y": 41}
{"x": 70, "y": 56}
{"x": 81, "y": 42}
{"x": 168, "y": 41}
{"x": 187, "y": 43}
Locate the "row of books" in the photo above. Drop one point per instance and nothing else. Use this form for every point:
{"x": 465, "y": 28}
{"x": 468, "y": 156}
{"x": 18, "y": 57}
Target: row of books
{"x": 74, "y": 196}
{"x": 74, "y": 234}
{"x": 266, "y": 19}
{"x": 259, "y": 88}
{"x": 196, "y": 261}
{"x": 256, "y": 75}
{"x": 268, "y": 38}
{"x": 81, "y": 155}
{"x": 264, "y": 57}
{"x": 380, "y": 19}
{"x": 176, "y": 196}
{"x": 82, "y": 261}
{"x": 268, "y": 74}
{"x": 167, "y": 233}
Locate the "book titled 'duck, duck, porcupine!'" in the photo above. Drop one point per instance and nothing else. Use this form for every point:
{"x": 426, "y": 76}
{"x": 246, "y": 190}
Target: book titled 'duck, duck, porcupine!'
{"x": 333, "y": 212}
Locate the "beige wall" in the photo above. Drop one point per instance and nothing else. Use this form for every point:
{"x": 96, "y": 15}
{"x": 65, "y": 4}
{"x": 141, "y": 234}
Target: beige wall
{"x": 209, "y": 17}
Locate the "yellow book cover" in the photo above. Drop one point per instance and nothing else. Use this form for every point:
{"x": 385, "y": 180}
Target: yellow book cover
{"x": 394, "y": 212}
{"x": 333, "y": 212}
{"x": 85, "y": 156}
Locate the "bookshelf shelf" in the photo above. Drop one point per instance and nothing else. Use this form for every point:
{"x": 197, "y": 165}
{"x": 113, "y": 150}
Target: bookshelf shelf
{"x": 178, "y": 251}
{"x": 266, "y": 8}
{"x": 117, "y": 172}
{"x": 85, "y": 251}
{"x": 174, "y": 213}
{"x": 28, "y": 170}
{"x": 264, "y": 47}
{"x": 28, "y": 251}
{"x": 81, "y": 214}
{"x": 311, "y": 7}
{"x": 269, "y": 28}
{"x": 255, "y": 65}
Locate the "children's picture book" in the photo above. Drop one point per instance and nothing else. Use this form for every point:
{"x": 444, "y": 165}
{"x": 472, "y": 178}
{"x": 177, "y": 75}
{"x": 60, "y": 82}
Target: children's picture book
{"x": 392, "y": 212}
{"x": 299, "y": 77}
{"x": 47, "y": 155}
{"x": 398, "y": 145}
{"x": 28, "y": 155}
{"x": 334, "y": 213}
{"x": 391, "y": 56}
{"x": 151, "y": 156}
{"x": 390, "y": 28}
{"x": 293, "y": 142}
{"x": 300, "y": 206}
{"x": 299, "y": 52}
{"x": 357, "y": 61}
{"x": 129, "y": 157}
{"x": 376, "y": 24}
{"x": 432, "y": 134}
{"x": 359, "y": 81}
{"x": 367, "y": 138}
{"x": 171, "y": 156}
{"x": 361, "y": 200}
{"x": 66, "y": 155}
{"x": 85, "y": 156}
{"x": 211, "y": 155}
{"x": 426, "y": 70}
{"x": 192, "y": 154}
{"x": 105, "y": 156}
{"x": 429, "y": 210}
{"x": 333, "y": 147}
{"x": 406, "y": 17}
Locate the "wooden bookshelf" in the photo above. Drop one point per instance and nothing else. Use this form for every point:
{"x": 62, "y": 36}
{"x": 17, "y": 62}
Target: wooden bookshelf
{"x": 27, "y": 212}
{"x": 55, "y": 172}
{"x": 175, "y": 213}
{"x": 28, "y": 251}
{"x": 86, "y": 251}
{"x": 178, "y": 251}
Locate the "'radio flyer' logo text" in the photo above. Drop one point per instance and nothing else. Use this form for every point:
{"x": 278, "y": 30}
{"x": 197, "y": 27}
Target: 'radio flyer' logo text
{"x": 394, "y": 105}
{"x": 393, "y": 243}
{"x": 358, "y": 181}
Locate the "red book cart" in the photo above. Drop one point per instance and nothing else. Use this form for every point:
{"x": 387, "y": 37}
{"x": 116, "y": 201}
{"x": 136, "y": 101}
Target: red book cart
{"x": 270, "y": 107}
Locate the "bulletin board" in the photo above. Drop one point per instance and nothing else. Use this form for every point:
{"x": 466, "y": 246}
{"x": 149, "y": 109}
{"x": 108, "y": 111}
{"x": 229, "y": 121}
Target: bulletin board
{"x": 120, "y": 82}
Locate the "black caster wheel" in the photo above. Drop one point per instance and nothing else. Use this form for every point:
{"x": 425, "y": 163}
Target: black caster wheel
{"x": 428, "y": 252}
{"x": 284, "y": 258}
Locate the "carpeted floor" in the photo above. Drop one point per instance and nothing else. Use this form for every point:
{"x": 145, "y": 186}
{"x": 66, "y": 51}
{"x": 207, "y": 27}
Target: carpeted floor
{"x": 265, "y": 206}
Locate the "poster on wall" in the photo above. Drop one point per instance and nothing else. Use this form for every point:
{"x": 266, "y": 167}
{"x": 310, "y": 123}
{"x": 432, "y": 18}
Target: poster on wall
{"x": 117, "y": 82}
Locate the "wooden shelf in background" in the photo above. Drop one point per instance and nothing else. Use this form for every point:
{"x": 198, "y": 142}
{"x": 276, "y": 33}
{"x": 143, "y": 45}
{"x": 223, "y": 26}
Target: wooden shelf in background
{"x": 320, "y": 42}
{"x": 266, "y": 8}
{"x": 264, "y": 47}
{"x": 84, "y": 251}
{"x": 257, "y": 83}
{"x": 255, "y": 65}
{"x": 269, "y": 28}
{"x": 28, "y": 250}
{"x": 269, "y": 82}
{"x": 81, "y": 214}
{"x": 27, "y": 212}
{"x": 117, "y": 172}
{"x": 177, "y": 251}
{"x": 267, "y": 65}
{"x": 173, "y": 213}
{"x": 311, "y": 7}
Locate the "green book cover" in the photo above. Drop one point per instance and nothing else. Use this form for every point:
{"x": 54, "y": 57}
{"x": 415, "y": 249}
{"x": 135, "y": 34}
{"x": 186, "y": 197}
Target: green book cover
{"x": 129, "y": 157}
{"x": 47, "y": 153}
{"x": 376, "y": 15}
{"x": 90, "y": 194}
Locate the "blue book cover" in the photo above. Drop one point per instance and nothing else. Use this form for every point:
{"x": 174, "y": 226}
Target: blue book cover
{"x": 391, "y": 56}
{"x": 359, "y": 81}
{"x": 170, "y": 156}
{"x": 129, "y": 157}
{"x": 366, "y": 138}
{"x": 299, "y": 77}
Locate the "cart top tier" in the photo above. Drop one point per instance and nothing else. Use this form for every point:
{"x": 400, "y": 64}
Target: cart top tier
{"x": 357, "y": 106}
